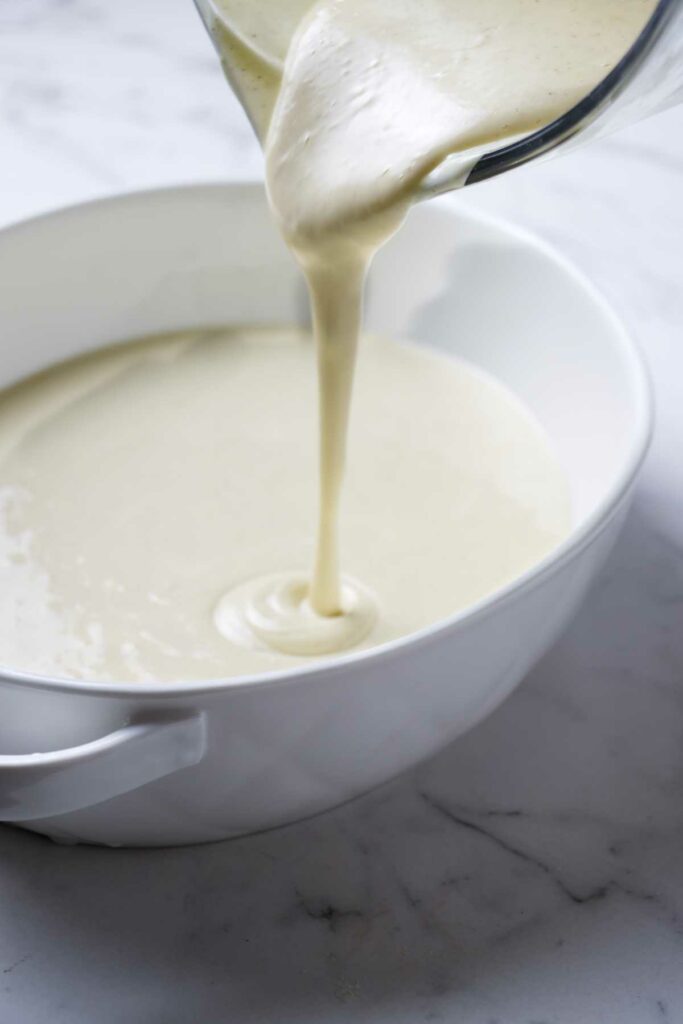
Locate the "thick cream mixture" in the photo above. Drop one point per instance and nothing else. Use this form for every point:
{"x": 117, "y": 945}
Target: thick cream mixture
{"x": 156, "y": 499}
{"x": 356, "y": 102}
{"x": 139, "y": 484}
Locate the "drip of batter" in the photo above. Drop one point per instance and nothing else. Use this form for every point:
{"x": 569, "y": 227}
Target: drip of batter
{"x": 356, "y": 102}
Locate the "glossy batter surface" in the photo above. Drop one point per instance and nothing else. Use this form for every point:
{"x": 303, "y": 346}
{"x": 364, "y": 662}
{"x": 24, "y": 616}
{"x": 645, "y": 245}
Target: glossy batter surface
{"x": 139, "y": 485}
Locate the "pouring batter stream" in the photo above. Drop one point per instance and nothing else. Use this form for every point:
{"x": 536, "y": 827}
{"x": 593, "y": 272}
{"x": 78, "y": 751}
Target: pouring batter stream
{"x": 355, "y": 103}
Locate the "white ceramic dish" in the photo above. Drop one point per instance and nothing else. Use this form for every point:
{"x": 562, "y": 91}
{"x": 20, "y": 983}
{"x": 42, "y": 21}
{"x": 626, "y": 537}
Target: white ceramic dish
{"x": 156, "y": 765}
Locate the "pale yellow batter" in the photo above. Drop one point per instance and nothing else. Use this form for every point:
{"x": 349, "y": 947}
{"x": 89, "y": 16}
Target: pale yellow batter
{"x": 356, "y": 102}
{"x": 156, "y": 500}
{"x": 138, "y": 485}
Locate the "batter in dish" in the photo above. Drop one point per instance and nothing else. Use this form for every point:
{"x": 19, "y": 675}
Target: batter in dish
{"x": 139, "y": 483}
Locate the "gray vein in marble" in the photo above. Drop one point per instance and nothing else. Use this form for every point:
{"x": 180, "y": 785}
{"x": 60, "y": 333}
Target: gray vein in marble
{"x": 508, "y": 847}
{"x": 662, "y": 1010}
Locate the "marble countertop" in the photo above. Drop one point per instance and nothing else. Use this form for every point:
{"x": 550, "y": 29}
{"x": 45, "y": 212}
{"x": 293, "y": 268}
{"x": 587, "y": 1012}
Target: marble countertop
{"x": 530, "y": 874}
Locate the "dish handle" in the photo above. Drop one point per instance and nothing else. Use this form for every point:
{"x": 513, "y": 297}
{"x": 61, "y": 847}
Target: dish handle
{"x": 44, "y": 785}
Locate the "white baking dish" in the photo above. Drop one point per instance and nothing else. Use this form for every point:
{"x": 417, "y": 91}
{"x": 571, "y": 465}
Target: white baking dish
{"x": 138, "y": 764}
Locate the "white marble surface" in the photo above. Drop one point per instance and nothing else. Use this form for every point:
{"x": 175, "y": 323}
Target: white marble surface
{"x": 530, "y": 874}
